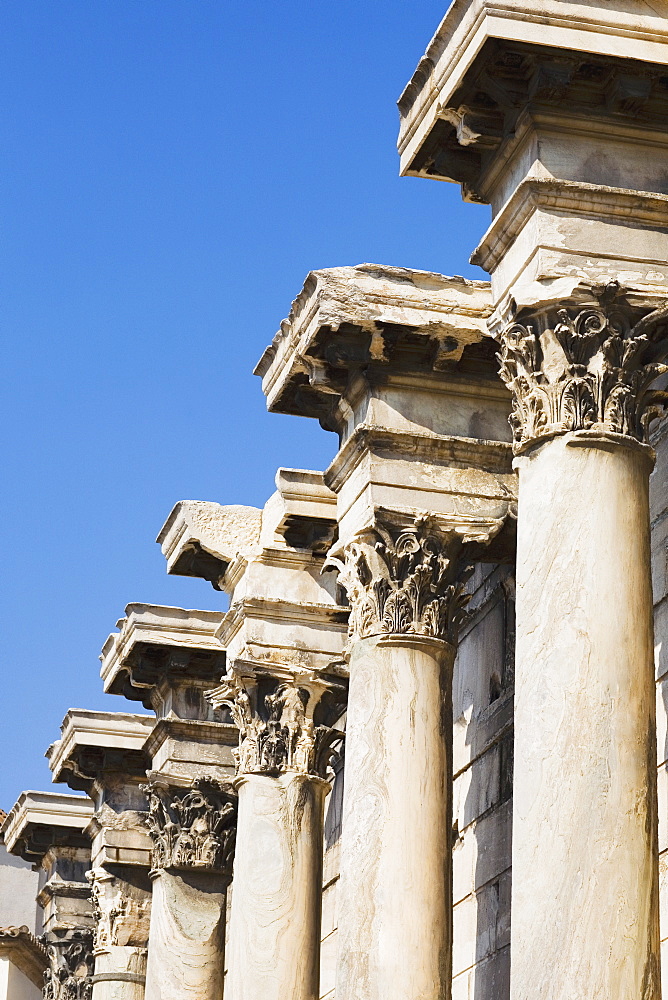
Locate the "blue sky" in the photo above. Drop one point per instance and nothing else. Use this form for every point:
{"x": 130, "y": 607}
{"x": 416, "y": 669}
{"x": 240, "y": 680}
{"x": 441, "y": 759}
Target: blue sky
{"x": 171, "y": 170}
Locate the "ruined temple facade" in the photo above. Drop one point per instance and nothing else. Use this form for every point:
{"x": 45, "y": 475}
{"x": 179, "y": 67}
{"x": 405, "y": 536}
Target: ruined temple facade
{"x": 423, "y": 754}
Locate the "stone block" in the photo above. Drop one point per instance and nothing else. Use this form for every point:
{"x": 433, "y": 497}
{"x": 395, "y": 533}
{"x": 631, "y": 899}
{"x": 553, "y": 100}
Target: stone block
{"x": 331, "y": 864}
{"x": 328, "y": 964}
{"x": 662, "y": 790}
{"x": 478, "y": 788}
{"x": 661, "y": 638}
{"x": 663, "y": 894}
{"x": 660, "y": 556}
{"x": 481, "y": 924}
{"x": 662, "y": 720}
{"x": 329, "y": 914}
{"x": 483, "y": 852}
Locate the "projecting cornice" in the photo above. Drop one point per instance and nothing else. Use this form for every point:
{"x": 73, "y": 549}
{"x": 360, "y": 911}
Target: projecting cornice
{"x": 201, "y": 539}
{"x": 41, "y": 820}
{"x": 156, "y": 642}
{"x": 387, "y": 319}
{"x": 456, "y": 105}
{"x": 95, "y": 743}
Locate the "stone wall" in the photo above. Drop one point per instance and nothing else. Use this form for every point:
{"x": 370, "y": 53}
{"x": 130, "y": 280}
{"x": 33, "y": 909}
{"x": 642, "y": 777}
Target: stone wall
{"x": 482, "y": 808}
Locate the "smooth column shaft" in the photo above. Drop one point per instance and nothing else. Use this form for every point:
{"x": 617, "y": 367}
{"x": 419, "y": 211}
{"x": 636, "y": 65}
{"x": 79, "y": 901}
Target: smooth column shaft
{"x": 395, "y": 911}
{"x": 274, "y": 940}
{"x": 187, "y": 937}
{"x": 585, "y": 922}
{"x": 120, "y": 973}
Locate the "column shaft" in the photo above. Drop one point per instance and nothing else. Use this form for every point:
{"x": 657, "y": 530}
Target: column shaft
{"x": 395, "y": 913}
{"x": 187, "y": 937}
{"x": 585, "y": 870}
{"x": 275, "y": 917}
{"x": 120, "y": 973}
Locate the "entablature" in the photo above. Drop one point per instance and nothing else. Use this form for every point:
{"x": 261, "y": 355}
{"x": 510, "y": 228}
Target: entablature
{"x": 161, "y": 647}
{"x": 39, "y": 821}
{"x": 201, "y": 538}
{"x": 489, "y": 61}
{"x": 98, "y": 748}
{"x": 184, "y": 749}
{"x": 382, "y": 321}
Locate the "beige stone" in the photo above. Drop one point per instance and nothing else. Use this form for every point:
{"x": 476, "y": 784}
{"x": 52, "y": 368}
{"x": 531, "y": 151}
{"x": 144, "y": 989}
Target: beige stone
{"x": 50, "y": 829}
{"x": 275, "y": 919}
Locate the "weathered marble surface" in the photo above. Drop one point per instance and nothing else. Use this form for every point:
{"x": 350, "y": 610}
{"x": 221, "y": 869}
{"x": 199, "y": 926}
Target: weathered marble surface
{"x": 394, "y": 895}
{"x": 584, "y": 837}
{"x": 122, "y": 912}
{"x": 275, "y": 917}
{"x": 635, "y": 31}
{"x": 187, "y": 937}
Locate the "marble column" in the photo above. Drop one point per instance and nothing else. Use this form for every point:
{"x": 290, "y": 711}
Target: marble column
{"x": 585, "y": 921}
{"x": 193, "y": 832}
{"x": 284, "y": 752}
{"x": 122, "y": 914}
{"x": 395, "y": 910}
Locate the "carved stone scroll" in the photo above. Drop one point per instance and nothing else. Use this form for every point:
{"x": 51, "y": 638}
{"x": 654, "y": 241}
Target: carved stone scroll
{"x": 407, "y": 581}
{"x": 71, "y": 965}
{"x": 279, "y": 728}
{"x": 585, "y": 369}
{"x": 195, "y": 829}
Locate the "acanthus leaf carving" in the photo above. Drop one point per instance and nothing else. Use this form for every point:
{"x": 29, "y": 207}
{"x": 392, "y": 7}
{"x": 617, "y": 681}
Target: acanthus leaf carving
{"x": 71, "y": 966}
{"x": 121, "y": 911}
{"x": 590, "y": 368}
{"x": 407, "y": 581}
{"x": 193, "y": 829}
{"x": 283, "y": 722}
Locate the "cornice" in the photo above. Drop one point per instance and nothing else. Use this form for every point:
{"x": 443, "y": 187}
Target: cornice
{"x": 63, "y": 818}
{"x": 166, "y": 636}
{"x": 469, "y": 24}
{"x": 348, "y": 316}
{"x": 97, "y": 736}
{"x": 162, "y": 626}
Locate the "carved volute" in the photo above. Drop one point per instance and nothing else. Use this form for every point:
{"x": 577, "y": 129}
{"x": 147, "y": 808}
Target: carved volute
{"x": 585, "y": 369}
{"x": 284, "y": 723}
{"x": 193, "y": 829}
{"x": 409, "y": 580}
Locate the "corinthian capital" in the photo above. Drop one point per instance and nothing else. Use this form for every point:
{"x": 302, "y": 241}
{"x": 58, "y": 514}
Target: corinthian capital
{"x": 283, "y": 722}
{"x": 121, "y": 911}
{"x": 71, "y": 964}
{"x": 195, "y": 829}
{"x": 408, "y": 580}
{"x": 587, "y": 368}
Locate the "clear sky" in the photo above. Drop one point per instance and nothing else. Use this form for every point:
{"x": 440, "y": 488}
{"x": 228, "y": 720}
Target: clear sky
{"x": 171, "y": 171}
